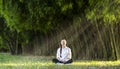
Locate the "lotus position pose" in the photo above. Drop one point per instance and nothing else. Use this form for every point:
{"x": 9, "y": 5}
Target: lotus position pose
{"x": 64, "y": 54}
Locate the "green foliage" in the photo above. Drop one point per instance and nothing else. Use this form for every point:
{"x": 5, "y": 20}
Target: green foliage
{"x": 42, "y": 15}
{"x": 109, "y": 18}
{"x": 0, "y": 7}
{"x": 11, "y": 15}
{"x": 38, "y": 15}
{"x": 106, "y": 10}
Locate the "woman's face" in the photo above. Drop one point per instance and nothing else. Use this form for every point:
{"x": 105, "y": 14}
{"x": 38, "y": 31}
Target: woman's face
{"x": 63, "y": 43}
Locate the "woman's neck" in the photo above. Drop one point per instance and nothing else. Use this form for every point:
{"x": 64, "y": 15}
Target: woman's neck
{"x": 64, "y": 46}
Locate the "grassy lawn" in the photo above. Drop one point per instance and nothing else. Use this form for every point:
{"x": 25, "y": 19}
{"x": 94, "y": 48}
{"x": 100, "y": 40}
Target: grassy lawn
{"x": 8, "y": 61}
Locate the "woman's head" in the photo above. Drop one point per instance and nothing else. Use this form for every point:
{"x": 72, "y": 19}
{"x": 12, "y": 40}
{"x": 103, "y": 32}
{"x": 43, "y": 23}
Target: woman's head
{"x": 63, "y": 42}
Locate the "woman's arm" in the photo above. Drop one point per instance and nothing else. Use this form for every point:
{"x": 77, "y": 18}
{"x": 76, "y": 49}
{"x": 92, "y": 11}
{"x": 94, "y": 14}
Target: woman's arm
{"x": 70, "y": 54}
{"x": 58, "y": 54}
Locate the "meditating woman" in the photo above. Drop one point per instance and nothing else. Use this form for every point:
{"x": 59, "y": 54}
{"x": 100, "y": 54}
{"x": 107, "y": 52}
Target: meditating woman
{"x": 64, "y": 54}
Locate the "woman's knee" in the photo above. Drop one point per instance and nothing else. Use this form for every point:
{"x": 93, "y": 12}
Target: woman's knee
{"x": 54, "y": 60}
{"x": 69, "y": 61}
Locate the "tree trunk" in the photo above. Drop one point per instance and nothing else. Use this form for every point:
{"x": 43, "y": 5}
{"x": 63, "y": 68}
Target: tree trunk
{"x": 12, "y": 51}
{"x": 19, "y": 49}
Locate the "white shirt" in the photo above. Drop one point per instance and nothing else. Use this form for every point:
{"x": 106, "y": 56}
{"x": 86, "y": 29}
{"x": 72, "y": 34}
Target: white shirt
{"x": 65, "y": 55}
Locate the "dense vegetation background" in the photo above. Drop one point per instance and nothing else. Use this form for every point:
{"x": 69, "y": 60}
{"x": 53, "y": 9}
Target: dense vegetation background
{"x": 91, "y": 27}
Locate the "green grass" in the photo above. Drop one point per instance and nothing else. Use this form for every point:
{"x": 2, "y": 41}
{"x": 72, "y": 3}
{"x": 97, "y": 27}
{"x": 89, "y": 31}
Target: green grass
{"x": 8, "y": 61}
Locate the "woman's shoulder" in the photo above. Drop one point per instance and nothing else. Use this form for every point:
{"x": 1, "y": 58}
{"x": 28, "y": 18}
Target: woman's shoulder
{"x": 68, "y": 48}
{"x": 58, "y": 48}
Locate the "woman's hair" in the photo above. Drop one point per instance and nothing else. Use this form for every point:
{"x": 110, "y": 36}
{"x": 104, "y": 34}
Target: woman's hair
{"x": 60, "y": 50}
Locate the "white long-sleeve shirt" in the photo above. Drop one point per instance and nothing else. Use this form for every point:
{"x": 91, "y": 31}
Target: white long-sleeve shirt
{"x": 65, "y": 54}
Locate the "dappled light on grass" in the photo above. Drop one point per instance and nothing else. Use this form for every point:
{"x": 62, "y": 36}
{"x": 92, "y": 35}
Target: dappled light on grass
{"x": 26, "y": 64}
{"x": 77, "y": 63}
{"x": 97, "y": 63}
